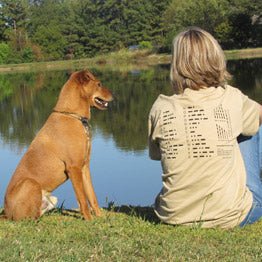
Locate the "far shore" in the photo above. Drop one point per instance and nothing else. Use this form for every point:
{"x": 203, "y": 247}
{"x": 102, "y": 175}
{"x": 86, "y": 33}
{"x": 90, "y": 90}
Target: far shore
{"x": 122, "y": 60}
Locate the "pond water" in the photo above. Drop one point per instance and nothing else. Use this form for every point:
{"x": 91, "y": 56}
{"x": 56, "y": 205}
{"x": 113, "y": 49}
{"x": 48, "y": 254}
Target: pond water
{"x": 120, "y": 168}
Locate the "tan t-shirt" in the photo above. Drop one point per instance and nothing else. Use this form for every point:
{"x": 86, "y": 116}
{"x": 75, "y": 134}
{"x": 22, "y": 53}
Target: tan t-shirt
{"x": 194, "y": 135}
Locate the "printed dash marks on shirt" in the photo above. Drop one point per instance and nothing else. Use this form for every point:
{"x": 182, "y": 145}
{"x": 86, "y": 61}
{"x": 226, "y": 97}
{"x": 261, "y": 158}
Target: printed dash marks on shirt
{"x": 169, "y": 132}
{"x": 197, "y": 144}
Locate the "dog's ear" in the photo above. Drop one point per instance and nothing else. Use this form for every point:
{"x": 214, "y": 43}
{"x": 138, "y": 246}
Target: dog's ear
{"x": 90, "y": 75}
{"x": 83, "y": 77}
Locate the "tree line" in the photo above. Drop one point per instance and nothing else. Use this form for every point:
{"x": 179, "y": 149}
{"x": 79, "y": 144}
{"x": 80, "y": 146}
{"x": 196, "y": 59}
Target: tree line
{"x": 45, "y": 30}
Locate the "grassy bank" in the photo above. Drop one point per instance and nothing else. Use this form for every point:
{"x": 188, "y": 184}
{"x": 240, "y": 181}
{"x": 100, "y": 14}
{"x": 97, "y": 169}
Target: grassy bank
{"x": 123, "y": 235}
{"x": 244, "y": 53}
{"x": 119, "y": 61}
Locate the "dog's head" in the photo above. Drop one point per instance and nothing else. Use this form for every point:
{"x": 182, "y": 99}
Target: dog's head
{"x": 92, "y": 90}
{"x": 81, "y": 91}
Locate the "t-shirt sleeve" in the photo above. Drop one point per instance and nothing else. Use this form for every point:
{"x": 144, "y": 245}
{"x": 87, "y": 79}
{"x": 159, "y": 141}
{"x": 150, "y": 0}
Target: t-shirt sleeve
{"x": 250, "y": 111}
{"x": 153, "y": 145}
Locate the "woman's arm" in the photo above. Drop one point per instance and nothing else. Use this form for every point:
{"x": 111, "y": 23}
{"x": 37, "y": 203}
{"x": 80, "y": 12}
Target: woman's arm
{"x": 260, "y": 114}
{"x": 153, "y": 145}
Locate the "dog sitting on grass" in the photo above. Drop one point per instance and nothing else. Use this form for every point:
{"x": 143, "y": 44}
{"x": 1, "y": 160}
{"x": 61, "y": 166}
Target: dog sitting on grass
{"x": 60, "y": 151}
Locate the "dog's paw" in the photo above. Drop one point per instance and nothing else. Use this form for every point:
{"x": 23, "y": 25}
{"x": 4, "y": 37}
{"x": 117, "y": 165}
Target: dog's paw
{"x": 48, "y": 203}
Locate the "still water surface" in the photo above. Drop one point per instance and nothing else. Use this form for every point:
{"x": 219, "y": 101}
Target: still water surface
{"x": 120, "y": 168}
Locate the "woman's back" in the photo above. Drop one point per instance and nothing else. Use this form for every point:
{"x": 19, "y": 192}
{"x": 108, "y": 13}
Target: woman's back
{"x": 202, "y": 166}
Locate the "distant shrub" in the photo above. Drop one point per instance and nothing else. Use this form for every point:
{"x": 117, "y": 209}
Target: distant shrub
{"x": 10, "y": 55}
{"x": 145, "y": 45}
{"x": 28, "y": 55}
{"x": 4, "y": 51}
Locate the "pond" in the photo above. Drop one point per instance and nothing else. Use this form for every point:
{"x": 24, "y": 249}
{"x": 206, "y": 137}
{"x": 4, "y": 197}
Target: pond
{"x": 120, "y": 168}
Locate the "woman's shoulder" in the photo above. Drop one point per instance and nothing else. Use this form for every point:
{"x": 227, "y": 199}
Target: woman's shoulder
{"x": 163, "y": 99}
{"x": 234, "y": 93}
{"x": 162, "y": 102}
{"x": 232, "y": 90}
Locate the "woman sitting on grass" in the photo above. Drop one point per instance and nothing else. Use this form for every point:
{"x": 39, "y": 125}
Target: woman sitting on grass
{"x": 194, "y": 133}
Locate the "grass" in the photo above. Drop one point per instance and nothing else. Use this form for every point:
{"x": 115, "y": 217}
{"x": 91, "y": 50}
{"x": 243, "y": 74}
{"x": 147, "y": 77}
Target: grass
{"x": 124, "y": 234}
{"x": 117, "y": 61}
{"x": 122, "y": 60}
{"x": 244, "y": 53}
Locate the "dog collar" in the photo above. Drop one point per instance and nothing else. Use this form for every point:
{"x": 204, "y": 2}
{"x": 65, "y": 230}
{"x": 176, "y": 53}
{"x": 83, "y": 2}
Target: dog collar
{"x": 84, "y": 120}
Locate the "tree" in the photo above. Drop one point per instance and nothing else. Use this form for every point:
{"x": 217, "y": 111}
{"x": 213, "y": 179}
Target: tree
{"x": 230, "y": 21}
{"x": 51, "y": 40}
{"x": 65, "y": 29}
{"x": 206, "y": 14}
{"x": 244, "y": 20}
{"x": 49, "y": 28}
{"x": 157, "y": 19}
{"x": 15, "y": 13}
{"x": 15, "y": 17}
{"x": 4, "y": 50}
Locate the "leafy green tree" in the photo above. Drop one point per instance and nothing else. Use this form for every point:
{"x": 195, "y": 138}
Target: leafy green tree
{"x": 157, "y": 22}
{"x": 250, "y": 7}
{"x": 4, "y": 51}
{"x": 223, "y": 33}
{"x": 145, "y": 45}
{"x": 241, "y": 29}
{"x": 51, "y": 41}
{"x": 28, "y": 55}
{"x": 15, "y": 13}
{"x": 256, "y": 31}
{"x": 49, "y": 28}
{"x": 3, "y": 25}
{"x": 207, "y": 14}
{"x": 88, "y": 27}
{"x": 65, "y": 29}
{"x": 230, "y": 21}
{"x": 114, "y": 24}
{"x": 244, "y": 20}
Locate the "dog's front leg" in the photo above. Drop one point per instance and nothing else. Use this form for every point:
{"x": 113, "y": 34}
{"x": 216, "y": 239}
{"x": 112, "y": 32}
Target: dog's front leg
{"x": 75, "y": 175}
{"x": 89, "y": 190}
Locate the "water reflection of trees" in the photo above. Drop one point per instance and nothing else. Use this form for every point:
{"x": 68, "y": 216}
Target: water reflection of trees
{"x": 27, "y": 99}
{"x": 247, "y": 75}
{"x": 135, "y": 93}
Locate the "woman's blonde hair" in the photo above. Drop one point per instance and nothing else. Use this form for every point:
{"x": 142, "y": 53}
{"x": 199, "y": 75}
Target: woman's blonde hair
{"x": 197, "y": 61}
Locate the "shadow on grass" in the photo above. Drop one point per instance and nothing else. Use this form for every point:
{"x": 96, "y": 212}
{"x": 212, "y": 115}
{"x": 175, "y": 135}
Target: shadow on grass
{"x": 61, "y": 211}
{"x": 146, "y": 213}
{"x": 56, "y": 211}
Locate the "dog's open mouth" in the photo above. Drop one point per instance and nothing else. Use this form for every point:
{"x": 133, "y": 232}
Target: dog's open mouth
{"x": 101, "y": 103}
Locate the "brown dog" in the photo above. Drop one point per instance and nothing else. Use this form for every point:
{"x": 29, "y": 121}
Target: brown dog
{"x": 60, "y": 150}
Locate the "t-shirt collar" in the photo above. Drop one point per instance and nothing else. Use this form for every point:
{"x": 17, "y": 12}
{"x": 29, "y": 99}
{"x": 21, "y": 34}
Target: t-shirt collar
{"x": 204, "y": 90}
